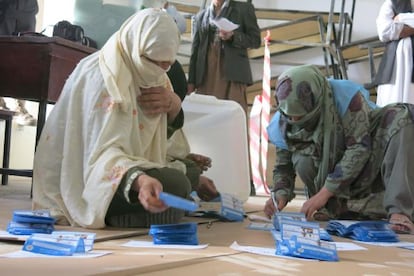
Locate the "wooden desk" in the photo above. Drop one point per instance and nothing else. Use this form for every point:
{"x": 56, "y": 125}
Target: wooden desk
{"x": 35, "y": 68}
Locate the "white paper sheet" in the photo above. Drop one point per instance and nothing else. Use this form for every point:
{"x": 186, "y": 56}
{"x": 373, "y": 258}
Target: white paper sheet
{"x": 389, "y": 244}
{"x": 266, "y": 251}
{"x": 150, "y": 244}
{"x": 26, "y": 254}
{"x": 257, "y": 218}
{"x": 348, "y": 246}
{"x": 4, "y": 235}
{"x": 225, "y": 24}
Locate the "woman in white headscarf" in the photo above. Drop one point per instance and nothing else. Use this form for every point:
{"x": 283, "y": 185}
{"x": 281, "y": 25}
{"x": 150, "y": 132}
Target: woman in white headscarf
{"x": 103, "y": 157}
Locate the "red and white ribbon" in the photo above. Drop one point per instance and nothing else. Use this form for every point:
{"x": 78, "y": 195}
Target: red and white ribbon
{"x": 259, "y": 120}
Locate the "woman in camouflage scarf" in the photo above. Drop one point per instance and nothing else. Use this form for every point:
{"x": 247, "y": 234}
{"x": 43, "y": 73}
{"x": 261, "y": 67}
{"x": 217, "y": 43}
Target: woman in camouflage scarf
{"x": 343, "y": 147}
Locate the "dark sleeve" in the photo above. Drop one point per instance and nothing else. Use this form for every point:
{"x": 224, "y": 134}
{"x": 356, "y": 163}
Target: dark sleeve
{"x": 124, "y": 188}
{"x": 248, "y": 34}
{"x": 284, "y": 174}
{"x": 178, "y": 79}
{"x": 177, "y": 124}
{"x": 195, "y": 47}
{"x": 179, "y": 83}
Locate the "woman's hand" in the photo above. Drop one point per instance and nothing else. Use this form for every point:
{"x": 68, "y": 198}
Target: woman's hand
{"x": 270, "y": 208}
{"x": 155, "y": 100}
{"x": 202, "y": 161}
{"x": 206, "y": 190}
{"x": 316, "y": 202}
{"x": 158, "y": 100}
{"x": 149, "y": 189}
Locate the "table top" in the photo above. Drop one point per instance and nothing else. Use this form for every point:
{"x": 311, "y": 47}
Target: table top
{"x": 35, "y": 39}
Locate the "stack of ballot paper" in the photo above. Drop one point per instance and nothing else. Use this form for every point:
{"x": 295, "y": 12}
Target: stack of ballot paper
{"x": 60, "y": 243}
{"x": 26, "y": 222}
{"x": 297, "y": 216}
{"x": 278, "y": 216}
{"x": 303, "y": 239}
{"x": 367, "y": 231}
{"x": 226, "y": 207}
{"x": 180, "y": 233}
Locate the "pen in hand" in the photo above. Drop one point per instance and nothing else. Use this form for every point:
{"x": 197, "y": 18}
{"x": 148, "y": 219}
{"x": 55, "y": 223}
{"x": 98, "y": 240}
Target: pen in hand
{"x": 275, "y": 203}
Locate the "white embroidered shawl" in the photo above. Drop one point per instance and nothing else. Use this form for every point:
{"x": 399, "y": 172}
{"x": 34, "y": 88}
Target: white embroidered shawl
{"x": 96, "y": 131}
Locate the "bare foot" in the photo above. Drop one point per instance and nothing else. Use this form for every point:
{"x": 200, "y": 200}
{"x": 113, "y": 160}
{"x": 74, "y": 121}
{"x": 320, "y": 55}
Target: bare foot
{"x": 401, "y": 224}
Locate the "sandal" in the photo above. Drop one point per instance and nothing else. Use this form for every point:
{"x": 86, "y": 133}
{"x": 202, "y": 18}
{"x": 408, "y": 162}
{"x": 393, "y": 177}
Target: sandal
{"x": 401, "y": 224}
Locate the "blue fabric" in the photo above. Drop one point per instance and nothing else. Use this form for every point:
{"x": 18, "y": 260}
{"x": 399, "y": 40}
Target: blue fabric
{"x": 274, "y": 133}
{"x": 343, "y": 91}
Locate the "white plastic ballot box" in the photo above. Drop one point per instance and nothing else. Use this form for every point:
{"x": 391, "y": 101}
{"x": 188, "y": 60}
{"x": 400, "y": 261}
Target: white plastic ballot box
{"x": 218, "y": 129}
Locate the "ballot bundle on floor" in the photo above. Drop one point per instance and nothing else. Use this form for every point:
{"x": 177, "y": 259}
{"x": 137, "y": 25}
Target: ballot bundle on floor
{"x": 60, "y": 243}
{"x": 226, "y": 207}
{"x": 367, "y": 231}
{"x": 180, "y": 233}
{"x": 27, "y": 222}
{"x": 296, "y": 237}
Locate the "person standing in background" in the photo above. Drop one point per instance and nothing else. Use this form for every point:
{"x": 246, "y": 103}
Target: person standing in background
{"x": 16, "y": 17}
{"x": 219, "y": 64}
{"x": 395, "y": 77}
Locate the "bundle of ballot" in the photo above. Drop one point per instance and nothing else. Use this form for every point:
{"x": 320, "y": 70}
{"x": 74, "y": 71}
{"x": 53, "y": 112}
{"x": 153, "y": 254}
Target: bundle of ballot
{"x": 60, "y": 243}
{"x": 296, "y": 216}
{"x": 226, "y": 207}
{"x": 180, "y": 233}
{"x": 27, "y": 222}
{"x": 367, "y": 231}
{"x": 278, "y": 216}
{"x": 302, "y": 239}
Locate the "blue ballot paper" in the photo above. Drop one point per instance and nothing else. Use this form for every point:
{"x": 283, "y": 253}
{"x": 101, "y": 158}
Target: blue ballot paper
{"x": 296, "y": 216}
{"x": 60, "y": 243}
{"x": 367, "y": 231}
{"x": 37, "y": 216}
{"x": 52, "y": 245}
{"x": 226, "y": 207}
{"x": 19, "y": 228}
{"x": 178, "y": 202}
{"x": 303, "y": 239}
{"x": 26, "y": 222}
{"x": 180, "y": 233}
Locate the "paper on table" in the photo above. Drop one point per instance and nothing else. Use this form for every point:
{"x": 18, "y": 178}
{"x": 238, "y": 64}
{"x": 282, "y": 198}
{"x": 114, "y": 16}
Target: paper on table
{"x": 150, "y": 244}
{"x": 389, "y": 244}
{"x": 27, "y": 254}
{"x": 4, "y": 235}
{"x": 225, "y": 24}
{"x": 263, "y": 251}
{"x": 254, "y": 217}
{"x": 348, "y": 246}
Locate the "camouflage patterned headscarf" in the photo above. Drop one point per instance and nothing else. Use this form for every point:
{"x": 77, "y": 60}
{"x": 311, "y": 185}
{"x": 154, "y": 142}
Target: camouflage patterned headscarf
{"x": 304, "y": 92}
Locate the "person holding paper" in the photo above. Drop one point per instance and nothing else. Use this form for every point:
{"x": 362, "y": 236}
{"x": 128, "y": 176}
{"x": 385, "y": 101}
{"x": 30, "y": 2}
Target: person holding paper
{"x": 219, "y": 64}
{"x": 344, "y": 148}
{"x": 395, "y": 74}
{"x": 113, "y": 141}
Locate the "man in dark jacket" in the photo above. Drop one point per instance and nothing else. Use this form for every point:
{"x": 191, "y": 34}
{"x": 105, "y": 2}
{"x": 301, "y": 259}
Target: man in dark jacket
{"x": 219, "y": 64}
